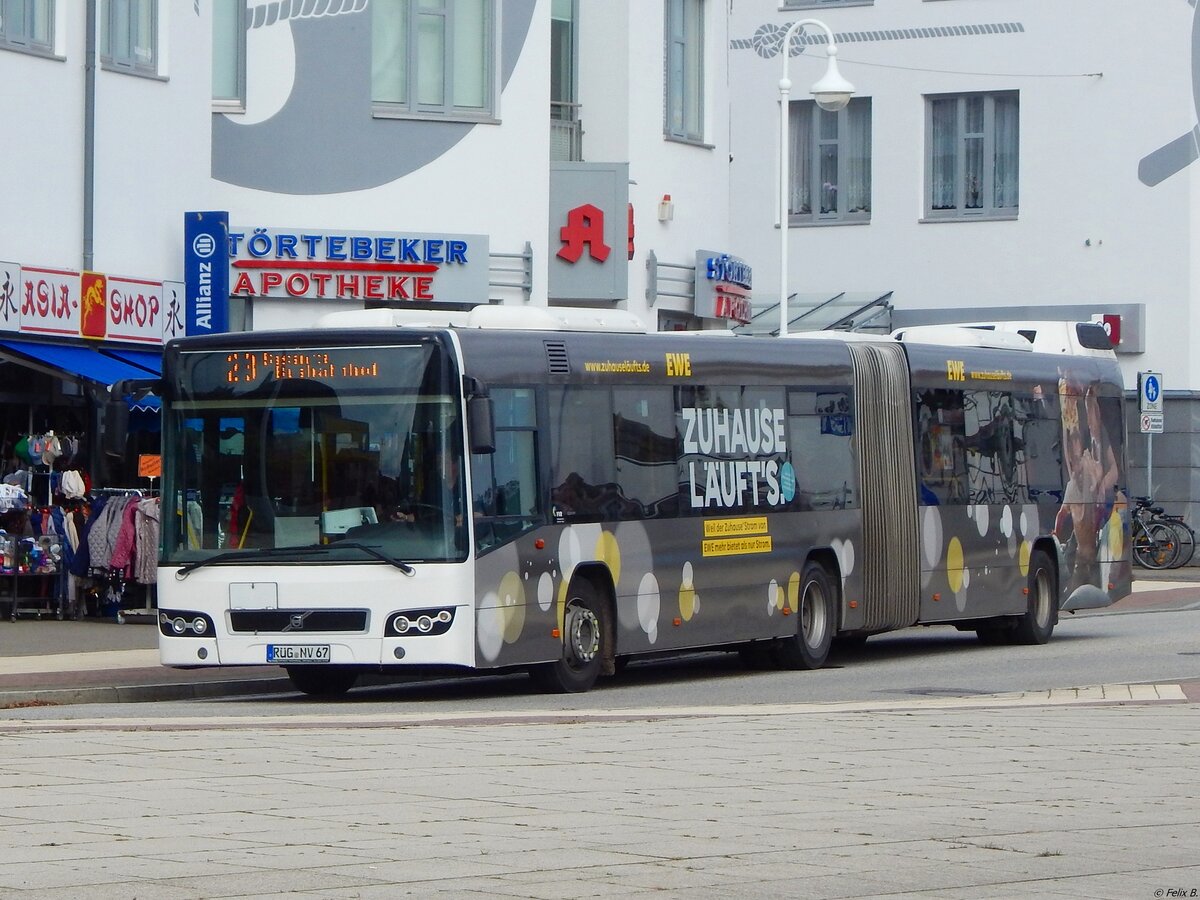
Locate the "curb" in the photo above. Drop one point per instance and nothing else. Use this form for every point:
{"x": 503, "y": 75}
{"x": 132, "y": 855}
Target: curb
{"x": 143, "y": 693}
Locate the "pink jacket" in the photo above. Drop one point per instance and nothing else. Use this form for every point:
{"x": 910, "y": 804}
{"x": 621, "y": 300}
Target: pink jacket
{"x": 123, "y": 549}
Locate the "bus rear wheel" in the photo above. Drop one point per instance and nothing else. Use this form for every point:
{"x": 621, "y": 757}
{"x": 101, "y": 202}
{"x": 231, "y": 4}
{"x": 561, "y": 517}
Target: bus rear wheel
{"x": 322, "y": 681}
{"x": 584, "y": 645}
{"x": 809, "y": 647}
{"x": 1036, "y": 626}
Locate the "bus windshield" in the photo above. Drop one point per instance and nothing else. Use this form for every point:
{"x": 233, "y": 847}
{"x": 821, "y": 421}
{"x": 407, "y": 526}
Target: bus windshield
{"x": 346, "y": 454}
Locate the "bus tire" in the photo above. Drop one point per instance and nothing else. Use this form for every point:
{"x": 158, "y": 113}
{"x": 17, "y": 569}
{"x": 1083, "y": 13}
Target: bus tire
{"x": 1036, "y": 626}
{"x": 322, "y": 681}
{"x": 583, "y": 651}
{"x": 809, "y": 647}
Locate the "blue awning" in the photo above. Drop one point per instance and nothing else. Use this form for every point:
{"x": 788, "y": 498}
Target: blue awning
{"x": 151, "y": 362}
{"x": 82, "y": 361}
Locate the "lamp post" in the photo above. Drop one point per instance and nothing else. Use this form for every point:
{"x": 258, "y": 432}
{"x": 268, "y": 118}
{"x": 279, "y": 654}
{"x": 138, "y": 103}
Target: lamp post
{"x": 832, "y": 92}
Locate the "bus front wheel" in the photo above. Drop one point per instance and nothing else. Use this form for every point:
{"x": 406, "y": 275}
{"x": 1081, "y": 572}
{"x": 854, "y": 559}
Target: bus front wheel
{"x": 809, "y": 647}
{"x": 584, "y": 645}
{"x": 322, "y": 681}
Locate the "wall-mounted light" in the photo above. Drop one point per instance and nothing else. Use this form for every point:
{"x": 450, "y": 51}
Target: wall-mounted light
{"x": 666, "y": 209}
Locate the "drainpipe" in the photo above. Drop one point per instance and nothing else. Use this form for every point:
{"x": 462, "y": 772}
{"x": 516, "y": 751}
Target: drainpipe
{"x": 89, "y": 136}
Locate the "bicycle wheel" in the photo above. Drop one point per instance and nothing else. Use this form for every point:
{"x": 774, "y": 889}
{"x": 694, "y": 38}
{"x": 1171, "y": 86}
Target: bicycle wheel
{"x": 1185, "y": 540}
{"x": 1163, "y": 546}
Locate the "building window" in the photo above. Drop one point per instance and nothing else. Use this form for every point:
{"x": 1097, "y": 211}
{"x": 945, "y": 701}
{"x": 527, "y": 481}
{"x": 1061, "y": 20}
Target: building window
{"x": 685, "y": 69}
{"x": 129, "y": 36}
{"x": 229, "y": 54}
{"x": 972, "y": 157}
{"x": 566, "y": 133}
{"x": 27, "y": 25}
{"x": 830, "y": 165}
{"x": 433, "y": 57}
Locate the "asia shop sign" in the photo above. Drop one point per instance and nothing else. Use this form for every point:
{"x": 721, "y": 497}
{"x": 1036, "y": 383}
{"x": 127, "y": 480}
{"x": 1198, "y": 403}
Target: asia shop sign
{"x": 52, "y": 302}
{"x": 723, "y": 285}
{"x": 300, "y": 263}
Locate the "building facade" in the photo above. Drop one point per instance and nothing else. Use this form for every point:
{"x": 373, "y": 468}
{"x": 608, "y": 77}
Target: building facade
{"x": 1021, "y": 160}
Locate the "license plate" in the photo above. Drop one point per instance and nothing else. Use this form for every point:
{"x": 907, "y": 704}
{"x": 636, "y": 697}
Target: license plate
{"x": 297, "y": 653}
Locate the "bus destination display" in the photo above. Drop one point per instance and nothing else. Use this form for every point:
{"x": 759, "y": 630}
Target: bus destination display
{"x": 241, "y": 371}
{"x": 267, "y": 365}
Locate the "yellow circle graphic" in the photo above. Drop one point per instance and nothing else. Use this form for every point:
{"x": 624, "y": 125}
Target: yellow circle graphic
{"x": 1023, "y": 554}
{"x": 512, "y": 606}
{"x": 954, "y": 564}
{"x": 1116, "y": 536}
{"x": 561, "y": 604}
{"x": 793, "y": 592}
{"x": 687, "y": 601}
{"x": 609, "y": 553}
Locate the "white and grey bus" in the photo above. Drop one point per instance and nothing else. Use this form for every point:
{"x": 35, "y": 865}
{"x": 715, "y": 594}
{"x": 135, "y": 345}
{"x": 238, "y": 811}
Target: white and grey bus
{"x": 391, "y": 499}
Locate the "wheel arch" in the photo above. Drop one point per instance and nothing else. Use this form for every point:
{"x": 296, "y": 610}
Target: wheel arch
{"x": 599, "y": 577}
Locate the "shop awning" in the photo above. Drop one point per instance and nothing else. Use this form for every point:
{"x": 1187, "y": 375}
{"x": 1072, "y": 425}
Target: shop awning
{"x": 151, "y": 362}
{"x": 82, "y": 361}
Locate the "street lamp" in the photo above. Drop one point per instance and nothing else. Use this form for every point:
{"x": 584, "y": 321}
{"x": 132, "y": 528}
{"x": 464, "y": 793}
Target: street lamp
{"x": 832, "y": 92}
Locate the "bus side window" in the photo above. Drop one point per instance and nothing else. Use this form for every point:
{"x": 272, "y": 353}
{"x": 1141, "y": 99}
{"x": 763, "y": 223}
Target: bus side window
{"x": 504, "y": 483}
{"x": 820, "y": 433}
{"x": 644, "y": 440}
{"x": 941, "y": 447}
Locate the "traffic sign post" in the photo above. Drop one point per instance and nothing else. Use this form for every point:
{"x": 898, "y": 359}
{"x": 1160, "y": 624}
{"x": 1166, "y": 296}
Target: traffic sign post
{"x": 1150, "y": 418}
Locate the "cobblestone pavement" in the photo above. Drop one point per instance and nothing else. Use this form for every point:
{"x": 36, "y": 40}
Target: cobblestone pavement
{"x": 1056, "y": 796}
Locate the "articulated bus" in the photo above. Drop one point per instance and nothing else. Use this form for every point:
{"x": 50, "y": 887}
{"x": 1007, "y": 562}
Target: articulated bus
{"x": 396, "y": 499}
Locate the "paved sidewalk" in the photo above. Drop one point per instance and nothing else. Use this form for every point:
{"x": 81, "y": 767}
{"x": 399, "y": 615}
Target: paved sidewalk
{"x": 942, "y": 799}
{"x": 45, "y": 661}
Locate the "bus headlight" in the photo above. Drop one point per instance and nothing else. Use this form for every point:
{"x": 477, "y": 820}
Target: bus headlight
{"x": 421, "y": 621}
{"x": 181, "y": 623}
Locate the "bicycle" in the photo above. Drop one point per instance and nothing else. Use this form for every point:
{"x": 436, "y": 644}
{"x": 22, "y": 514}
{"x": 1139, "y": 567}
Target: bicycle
{"x": 1155, "y": 540}
{"x": 1186, "y": 538}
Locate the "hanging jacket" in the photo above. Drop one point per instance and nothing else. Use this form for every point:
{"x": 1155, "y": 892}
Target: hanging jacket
{"x": 145, "y": 566}
{"x": 124, "y": 544}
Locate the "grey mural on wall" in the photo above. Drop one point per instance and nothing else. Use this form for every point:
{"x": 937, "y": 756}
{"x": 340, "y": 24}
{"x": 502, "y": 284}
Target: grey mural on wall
{"x": 1185, "y": 149}
{"x": 324, "y": 139}
{"x": 768, "y": 38}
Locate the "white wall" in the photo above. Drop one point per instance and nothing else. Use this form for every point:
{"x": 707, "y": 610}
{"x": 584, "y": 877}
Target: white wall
{"x": 1082, "y": 137}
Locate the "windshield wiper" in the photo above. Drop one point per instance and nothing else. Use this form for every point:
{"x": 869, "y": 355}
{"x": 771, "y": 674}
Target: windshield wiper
{"x": 377, "y": 553}
{"x": 268, "y": 552}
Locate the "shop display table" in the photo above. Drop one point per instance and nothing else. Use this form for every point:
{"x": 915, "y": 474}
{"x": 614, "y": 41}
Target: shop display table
{"x": 30, "y": 593}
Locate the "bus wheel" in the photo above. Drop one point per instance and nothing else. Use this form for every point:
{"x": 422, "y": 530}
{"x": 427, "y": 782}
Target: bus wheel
{"x": 1036, "y": 626}
{"x": 809, "y": 647}
{"x": 583, "y": 645}
{"x": 322, "y": 681}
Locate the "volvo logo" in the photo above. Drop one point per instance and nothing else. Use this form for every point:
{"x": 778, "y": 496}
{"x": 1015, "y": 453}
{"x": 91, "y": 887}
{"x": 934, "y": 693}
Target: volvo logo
{"x": 297, "y": 622}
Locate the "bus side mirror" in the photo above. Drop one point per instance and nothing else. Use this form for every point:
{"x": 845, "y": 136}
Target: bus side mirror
{"x": 481, "y": 423}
